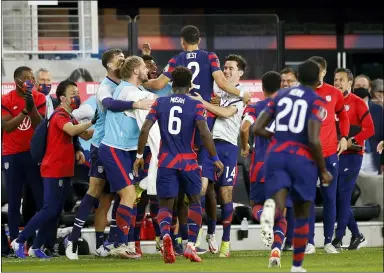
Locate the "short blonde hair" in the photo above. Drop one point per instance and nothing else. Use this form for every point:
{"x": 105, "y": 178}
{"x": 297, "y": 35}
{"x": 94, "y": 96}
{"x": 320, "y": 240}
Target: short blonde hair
{"x": 127, "y": 66}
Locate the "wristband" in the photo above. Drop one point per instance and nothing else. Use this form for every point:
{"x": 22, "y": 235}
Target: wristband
{"x": 215, "y": 158}
{"x": 139, "y": 156}
{"x": 241, "y": 94}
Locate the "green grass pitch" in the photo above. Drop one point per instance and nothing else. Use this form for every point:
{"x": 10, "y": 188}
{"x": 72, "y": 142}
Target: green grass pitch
{"x": 365, "y": 259}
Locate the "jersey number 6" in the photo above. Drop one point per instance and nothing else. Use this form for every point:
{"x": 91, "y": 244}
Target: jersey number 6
{"x": 172, "y": 120}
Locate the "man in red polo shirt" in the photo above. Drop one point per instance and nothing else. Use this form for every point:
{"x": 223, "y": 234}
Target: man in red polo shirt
{"x": 21, "y": 111}
{"x": 57, "y": 168}
{"x": 362, "y": 128}
{"x": 334, "y": 107}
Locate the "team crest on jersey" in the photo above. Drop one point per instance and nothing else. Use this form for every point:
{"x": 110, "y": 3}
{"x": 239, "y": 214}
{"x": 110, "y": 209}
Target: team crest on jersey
{"x": 346, "y": 107}
{"x": 131, "y": 176}
{"x": 6, "y": 165}
{"x": 100, "y": 169}
{"x": 322, "y": 114}
{"x": 60, "y": 183}
{"x": 328, "y": 98}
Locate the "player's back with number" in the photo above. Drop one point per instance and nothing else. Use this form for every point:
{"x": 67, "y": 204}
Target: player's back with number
{"x": 177, "y": 115}
{"x": 291, "y": 109}
{"x": 202, "y": 64}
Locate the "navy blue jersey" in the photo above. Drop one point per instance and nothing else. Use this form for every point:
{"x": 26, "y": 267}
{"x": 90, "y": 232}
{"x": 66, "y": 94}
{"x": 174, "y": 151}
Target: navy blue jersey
{"x": 177, "y": 115}
{"x": 202, "y": 64}
{"x": 291, "y": 110}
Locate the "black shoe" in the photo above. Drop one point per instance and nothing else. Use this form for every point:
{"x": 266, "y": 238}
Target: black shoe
{"x": 287, "y": 247}
{"x": 357, "y": 242}
{"x": 337, "y": 244}
{"x": 11, "y": 254}
{"x": 51, "y": 252}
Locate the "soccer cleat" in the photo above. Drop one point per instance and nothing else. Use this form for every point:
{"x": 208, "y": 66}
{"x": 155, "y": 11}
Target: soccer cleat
{"x": 310, "y": 249}
{"x": 224, "y": 250}
{"x": 297, "y": 269}
{"x": 159, "y": 245}
{"x": 191, "y": 254}
{"x": 337, "y": 244}
{"x": 212, "y": 244}
{"x": 138, "y": 248}
{"x": 71, "y": 249}
{"x": 37, "y": 253}
{"x": 19, "y": 249}
{"x": 105, "y": 249}
{"x": 179, "y": 250}
{"x": 53, "y": 252}
{"x": 357, "y": 242}
{"x": 267, "y": 220}
{"x": 200, "y": 251}
{"x": 131, "y": 249}
{"x": 124, "y": 252}
{"x": 274, "y": 259}
{"x": 330, "y": 249}
{"x": 168, "y": 253}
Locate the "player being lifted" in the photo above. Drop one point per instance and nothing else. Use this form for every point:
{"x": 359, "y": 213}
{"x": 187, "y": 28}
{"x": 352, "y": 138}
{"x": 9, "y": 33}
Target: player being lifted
{"x": 294, "y": 156}
{"x": 270, "y": 84}
{"x": 225, "y": 134}
{"x": 178, "y": 115}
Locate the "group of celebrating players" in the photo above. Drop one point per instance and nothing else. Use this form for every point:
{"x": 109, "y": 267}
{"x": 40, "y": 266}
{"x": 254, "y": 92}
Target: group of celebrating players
{"x": 180, "y": 132}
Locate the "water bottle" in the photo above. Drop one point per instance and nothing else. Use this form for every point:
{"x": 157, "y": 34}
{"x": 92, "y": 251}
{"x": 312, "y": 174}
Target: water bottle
{"x": 244, "y": 228}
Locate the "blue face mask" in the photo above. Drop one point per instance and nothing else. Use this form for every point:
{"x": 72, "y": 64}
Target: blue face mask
{"x": 75, "y": 102}
{"x": 45, "y": 88}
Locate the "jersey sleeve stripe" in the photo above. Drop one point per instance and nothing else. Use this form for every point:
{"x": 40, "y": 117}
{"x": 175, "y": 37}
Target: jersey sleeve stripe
{"x": 173, "y": 61}
{"x": 6, "y": 109}
{"x": 363, "y": 117}
{"x": 212, "y": 56}
{"x": 41, "y": 105}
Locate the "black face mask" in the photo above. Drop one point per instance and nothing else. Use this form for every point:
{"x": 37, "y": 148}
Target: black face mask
{"x": 361, "y": 92}
{"x": 345, "y": 93}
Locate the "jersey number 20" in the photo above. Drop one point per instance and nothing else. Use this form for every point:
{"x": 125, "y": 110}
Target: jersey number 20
{"x": 174, "y": 123}
{"x": 197, "y": 71}
{"x": 296, "y": 109}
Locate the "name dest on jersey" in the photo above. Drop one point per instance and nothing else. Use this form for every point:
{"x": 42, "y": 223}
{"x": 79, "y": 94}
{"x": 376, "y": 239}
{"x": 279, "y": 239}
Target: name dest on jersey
{"x": 177, "y": 100}
{"x": 191, "y": 55}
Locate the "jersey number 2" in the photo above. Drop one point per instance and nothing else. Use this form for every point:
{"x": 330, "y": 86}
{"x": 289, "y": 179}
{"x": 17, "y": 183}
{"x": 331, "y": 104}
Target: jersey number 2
{"x": 298, "y": 108}
{"x": 197, "y": 71}
{"x": 174, "y": 130}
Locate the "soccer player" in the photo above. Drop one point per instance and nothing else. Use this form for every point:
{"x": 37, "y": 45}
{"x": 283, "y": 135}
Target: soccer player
{"x": 292, "y": 154}
{"x": 104, "y": 96}
{"x": 270, "y": 84}
{"x": 350, "y": 161}
{"x": 334, "y": 106}
{"x": 178, "y": 116}
{"x": 57, "y": 168}
{"x": 288, "y": 77}
{"x": 152, "y": 74}
{"x": 43, "y": 84}
{"x": 21, "y": 111}
{"x": 225, "y": 134}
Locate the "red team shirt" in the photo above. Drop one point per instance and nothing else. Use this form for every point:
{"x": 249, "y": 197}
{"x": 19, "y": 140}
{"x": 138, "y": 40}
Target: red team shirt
{"x": 18, "y": 140}
{"x": 334, "y": 106}
{"x": 359, "y": 116}
{"x": 59, "y": 158}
